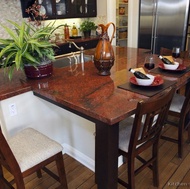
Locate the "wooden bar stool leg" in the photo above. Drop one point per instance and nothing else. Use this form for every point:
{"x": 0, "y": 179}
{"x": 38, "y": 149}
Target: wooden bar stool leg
{"x": 180, "y": 142}
{"x": 188, "y": 132}
{"x": 1, "y": 172}
{"x": 19, "y": 181}
{"x": 39, "y": 173}
{"x": 131, "y": 171}
{"x": 61, "y": 171}
{"x": 155, "y": 166}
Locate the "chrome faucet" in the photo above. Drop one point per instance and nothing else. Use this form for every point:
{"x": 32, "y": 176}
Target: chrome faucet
{"x": 79, "y": 48}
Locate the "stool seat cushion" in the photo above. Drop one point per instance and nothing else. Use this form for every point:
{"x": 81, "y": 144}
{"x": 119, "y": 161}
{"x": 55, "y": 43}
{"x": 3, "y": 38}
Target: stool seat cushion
{"x": 29, "y": 151}
{"x": 125, "y": 128}
{"x": 177, "y": 103}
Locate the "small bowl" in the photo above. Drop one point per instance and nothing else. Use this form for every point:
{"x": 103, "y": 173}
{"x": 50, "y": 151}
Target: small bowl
{"x": 171, "y": 66}
{"x": 145, "y": 82}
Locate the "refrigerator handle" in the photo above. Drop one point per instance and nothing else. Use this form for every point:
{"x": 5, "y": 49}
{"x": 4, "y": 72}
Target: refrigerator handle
{"x": 154, "y": 26}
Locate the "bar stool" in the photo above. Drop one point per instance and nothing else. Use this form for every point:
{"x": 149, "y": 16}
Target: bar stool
{"x": 137, "y": 134}
{"x": 27, "y": 152}
{"x": 180, "y": 109}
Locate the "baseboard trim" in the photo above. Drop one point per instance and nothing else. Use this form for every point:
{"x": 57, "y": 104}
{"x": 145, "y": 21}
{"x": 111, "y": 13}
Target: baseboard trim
{"x": 82, "y": 158}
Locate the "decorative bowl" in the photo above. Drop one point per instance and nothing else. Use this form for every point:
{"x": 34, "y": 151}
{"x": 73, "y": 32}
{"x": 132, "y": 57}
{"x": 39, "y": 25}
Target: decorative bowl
{"x": 145, "y": 82}
{"x": 171, "y": 66}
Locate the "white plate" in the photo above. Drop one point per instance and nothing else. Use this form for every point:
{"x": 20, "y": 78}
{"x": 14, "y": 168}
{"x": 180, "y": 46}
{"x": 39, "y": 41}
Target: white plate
{"x": 42, "y": 10}
{"x": 171, "y": 66}
{"x": 145, "y": 82}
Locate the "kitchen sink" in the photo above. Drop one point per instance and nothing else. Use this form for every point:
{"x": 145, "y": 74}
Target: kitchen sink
{"x": 68, "y": 60}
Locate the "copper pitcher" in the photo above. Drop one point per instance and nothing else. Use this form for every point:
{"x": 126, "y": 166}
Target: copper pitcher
{"x": 104, "y": 54}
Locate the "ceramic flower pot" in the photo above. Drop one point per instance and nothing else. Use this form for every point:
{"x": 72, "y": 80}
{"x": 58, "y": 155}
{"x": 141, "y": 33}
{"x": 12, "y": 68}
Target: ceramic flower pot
{"x": 40, "y": 71}
{"x": 87, "y": 34}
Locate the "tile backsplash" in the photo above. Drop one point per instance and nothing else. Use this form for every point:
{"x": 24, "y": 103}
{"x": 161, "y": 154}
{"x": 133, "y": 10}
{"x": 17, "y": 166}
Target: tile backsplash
{"x": 9, "y": 10}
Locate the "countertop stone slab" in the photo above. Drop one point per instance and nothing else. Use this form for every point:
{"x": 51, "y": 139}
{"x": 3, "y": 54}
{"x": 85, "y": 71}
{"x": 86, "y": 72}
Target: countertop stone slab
{"x": 86, "y": 94}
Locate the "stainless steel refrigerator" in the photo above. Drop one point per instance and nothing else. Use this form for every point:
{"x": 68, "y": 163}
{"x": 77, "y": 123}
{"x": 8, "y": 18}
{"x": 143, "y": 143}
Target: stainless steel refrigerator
{"x": 163, "y": 23}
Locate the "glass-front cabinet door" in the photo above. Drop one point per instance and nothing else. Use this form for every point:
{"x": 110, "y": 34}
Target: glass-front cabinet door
{"x": 61, "y": 8}
{"x": 55, "y": 9}
{"x": 83, "y": 8}
{"x": 46, "y": 7}
{"x": 121, "y": 22}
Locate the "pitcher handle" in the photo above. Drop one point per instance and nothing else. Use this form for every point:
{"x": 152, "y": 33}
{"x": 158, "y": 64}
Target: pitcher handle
{"x": 111, "y": 23}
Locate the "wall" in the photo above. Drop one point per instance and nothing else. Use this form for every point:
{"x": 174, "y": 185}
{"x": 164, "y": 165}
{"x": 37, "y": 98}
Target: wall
{"x": 133, "y": 9}
{"x": 133, "y": 20}
{"x": 9, "y": 10}
{"x": 74, "y": 133}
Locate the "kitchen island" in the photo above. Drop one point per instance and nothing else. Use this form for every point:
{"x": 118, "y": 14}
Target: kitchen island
{"x": 93, "y": 97}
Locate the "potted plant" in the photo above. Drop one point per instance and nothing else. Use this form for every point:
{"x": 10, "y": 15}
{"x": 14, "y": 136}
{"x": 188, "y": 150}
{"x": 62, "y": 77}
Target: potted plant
{"x": 86, "y": 27}
{"x": 28, "y": 47}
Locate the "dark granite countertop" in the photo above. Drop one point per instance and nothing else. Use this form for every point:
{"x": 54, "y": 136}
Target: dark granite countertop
{"x": 86, "y": 94}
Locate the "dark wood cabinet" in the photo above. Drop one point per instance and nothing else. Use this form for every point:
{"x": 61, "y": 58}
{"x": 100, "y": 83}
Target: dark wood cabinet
{"x": 24, "y": 5}
{"x": 57, "y": 9}
{"x": 87, "y": 43}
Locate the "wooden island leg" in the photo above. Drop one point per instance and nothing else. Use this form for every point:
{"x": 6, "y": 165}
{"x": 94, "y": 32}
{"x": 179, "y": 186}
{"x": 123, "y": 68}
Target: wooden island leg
{"x": 106, "y": 155}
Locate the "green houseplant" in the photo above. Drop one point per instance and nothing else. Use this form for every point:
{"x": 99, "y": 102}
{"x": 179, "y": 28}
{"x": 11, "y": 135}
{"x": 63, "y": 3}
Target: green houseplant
{"x": 86, "y": 27}
{"x": 27, "y": 45}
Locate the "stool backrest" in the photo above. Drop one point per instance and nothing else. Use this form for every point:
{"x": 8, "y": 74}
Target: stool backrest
{"x": 185, "y": 111}
{"x": 149, "y": 119}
